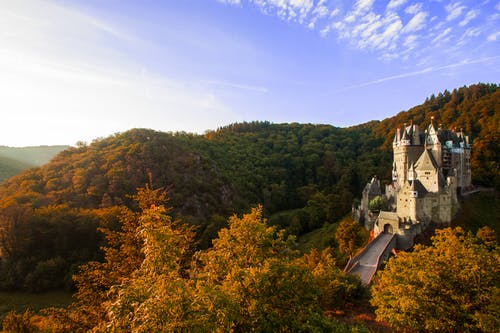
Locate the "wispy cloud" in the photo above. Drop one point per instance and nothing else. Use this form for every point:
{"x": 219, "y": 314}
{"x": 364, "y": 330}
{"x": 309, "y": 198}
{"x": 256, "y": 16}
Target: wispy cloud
{"x": 416, "y": 23}
{"x": 494, "y": 36}
{"x": 469, "y": 17}
{"x": 231, "y": 2}
{"x": 443, "y": 36}
{"x": 454, "y": 10}
{"x": 404, "y": 25}
{"x": 423, "y": 71}
{"x": 393, "y": 4}
{"x": 62, "y": 70}
{"x": 238, "y": 86}
{"x": 414, "y": 8}
{"x": 363, "y": 6}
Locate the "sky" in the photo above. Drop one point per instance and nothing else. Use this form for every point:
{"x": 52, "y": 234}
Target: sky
{"x": 79, "y": 70}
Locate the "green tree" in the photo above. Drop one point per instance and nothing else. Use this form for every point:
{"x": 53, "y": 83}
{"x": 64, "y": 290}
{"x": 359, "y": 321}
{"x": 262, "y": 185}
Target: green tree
{"x": 451, "y": 286}
{"x": 377, "y": 204}
{"x": 252, "y": 265}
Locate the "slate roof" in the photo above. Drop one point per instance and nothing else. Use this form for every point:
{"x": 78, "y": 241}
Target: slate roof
{"x": 388, "y": 215}
{"x": 426, "y": 161}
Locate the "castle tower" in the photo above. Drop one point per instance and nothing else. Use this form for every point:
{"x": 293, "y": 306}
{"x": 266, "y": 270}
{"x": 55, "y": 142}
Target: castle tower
{"x": 406, "y": 150}
{"x": 412, "y": 201}
{"x": 427, "y": 171}
{"x": 433, "y": 143}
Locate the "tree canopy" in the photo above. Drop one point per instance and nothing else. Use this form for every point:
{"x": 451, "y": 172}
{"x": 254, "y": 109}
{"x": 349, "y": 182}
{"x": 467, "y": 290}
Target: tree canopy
{"x": 450, "y": 286}
{"x": 304, "y": 175}
{"x": 251, "y": 280}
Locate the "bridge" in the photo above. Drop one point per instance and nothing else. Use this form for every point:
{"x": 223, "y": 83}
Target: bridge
{"x": 375, "y": 253}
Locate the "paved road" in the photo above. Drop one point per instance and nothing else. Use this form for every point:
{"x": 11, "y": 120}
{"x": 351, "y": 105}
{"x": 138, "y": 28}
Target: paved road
{"x": 368, "y": 261}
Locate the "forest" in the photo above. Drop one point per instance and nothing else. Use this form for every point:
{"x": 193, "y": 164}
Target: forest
{"x": 79, "y": 222}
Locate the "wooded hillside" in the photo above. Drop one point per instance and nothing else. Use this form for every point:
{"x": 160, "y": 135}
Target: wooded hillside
{"x": 304, "y": 175}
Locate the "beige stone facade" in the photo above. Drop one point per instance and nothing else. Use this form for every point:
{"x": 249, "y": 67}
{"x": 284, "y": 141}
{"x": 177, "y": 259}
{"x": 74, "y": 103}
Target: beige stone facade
{"x": 430, "y": 167}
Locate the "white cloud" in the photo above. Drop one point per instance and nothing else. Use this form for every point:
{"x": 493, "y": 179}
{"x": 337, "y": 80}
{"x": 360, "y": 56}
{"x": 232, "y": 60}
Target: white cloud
{"x": 413, "y": 9}
{"x": 230, "y": 2}
{"x": 334, "y": 12}
{"x": 239, "y": 86}
{"x": 468, "y": 35}
{"x": 65, "y": 79}
{"x": 393, "y": 4}
{"x": 423, "y": 71}
{"x": 494, "y": 36}
{"x": 472, "y": 32}
{"x": 416, "y": 23}
{"x": 411, "y": 41}
{"x": 381, "y": 34}
{"x": 321, "y": 10}
{"x": 454, "y": 10}
{"x": 362, "y": 6}
{"x": 472, "y": 14}
{"x": 391, "y": 33}
{"x": 443, "y": 36}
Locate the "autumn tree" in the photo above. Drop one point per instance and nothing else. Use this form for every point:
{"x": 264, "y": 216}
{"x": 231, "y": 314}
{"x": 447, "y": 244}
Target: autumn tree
{"x": 450, "y": 286}
{"x": 350, "y": 236}
{"x": 250, "y": 280}
{"x": 156, "y": 295}
{"x": 251, "y": 264}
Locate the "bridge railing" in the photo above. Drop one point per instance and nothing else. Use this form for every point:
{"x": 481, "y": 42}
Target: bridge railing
{"x": 353, "y": 260}
{"x": 390, "y": 245}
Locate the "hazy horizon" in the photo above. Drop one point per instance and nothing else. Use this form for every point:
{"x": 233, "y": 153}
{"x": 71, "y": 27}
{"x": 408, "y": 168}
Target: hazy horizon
{"x": 79, "y": 70}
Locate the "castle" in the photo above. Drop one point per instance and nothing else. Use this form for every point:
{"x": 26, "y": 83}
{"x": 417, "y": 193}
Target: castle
{"x": 430, "y": 169}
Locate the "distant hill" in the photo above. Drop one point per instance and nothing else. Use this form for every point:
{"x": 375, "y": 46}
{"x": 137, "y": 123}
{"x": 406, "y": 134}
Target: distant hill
{"x": 10, "y": 167}
{"x": 13, "y": 160}
{"x": 36, "y": 155}
{"x": 305, "y": 176}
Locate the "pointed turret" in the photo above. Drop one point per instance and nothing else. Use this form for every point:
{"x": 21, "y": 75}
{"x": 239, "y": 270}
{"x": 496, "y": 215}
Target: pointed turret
{"x": 406, "y": 138}
{"x": 397, "y": 137}
{"x": 411, "y": 172}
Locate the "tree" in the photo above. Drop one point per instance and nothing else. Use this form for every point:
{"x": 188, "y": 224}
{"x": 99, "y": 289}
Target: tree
{"x": 350, "y": 236}
{"x": 156, "y": 296}
{"x": 449, "y": 286}
{"x": 252, "y": 265}
{"x": 377, "y": 204}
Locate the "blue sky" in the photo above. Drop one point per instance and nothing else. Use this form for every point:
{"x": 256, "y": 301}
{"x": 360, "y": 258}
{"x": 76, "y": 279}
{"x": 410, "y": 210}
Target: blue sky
{"x": 75, "y": 70}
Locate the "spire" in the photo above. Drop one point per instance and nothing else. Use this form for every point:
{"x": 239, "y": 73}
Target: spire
{"x": 397, "y": 136}
{"x": 411, "y": 172}
{"x": 406, "y": 139}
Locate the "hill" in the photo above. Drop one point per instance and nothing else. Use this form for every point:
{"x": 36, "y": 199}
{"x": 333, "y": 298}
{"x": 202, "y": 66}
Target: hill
{"x": 10, "y": 167}
{"x": 13, "y": 160}
{"x": 305, "y": 176}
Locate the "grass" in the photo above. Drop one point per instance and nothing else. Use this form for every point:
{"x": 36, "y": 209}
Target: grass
{"x": 318, "y": 239}
{"x": 20, "y": 302}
